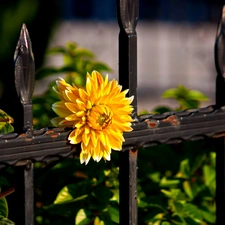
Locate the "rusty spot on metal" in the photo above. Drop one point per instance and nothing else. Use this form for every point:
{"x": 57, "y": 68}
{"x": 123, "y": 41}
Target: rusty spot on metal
{"x": 29, "y": 139}
{"x": 152, "y": 123}
{"x": 55, "y": 135}
{"x": 134, "y": 152}
{"x": 23, "y": 135}
{"x": 172, "y": 119}
{"x": 218, "y": 135}
{"x": 50, "y": 131}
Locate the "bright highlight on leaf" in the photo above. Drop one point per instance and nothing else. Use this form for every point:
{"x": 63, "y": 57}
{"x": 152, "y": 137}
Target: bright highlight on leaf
{"x": 5, "y": 123}
{"x": 98, "y": 115}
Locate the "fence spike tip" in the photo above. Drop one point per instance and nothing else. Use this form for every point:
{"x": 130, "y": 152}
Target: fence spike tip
{"x": 24, "y": 67}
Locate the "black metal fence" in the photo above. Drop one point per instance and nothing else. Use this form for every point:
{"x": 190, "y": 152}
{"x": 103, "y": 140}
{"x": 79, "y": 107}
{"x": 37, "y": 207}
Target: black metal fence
{"x": 27, "y": 146}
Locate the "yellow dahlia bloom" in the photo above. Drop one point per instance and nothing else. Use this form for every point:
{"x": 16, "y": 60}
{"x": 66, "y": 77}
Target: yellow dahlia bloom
{"x": 98, "y": 115}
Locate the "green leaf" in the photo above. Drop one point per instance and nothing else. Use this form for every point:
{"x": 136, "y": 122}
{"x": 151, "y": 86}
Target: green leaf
{"x": 210, "y": 178}
{"x": 185, "y": 97}
{"x": 165, "y": 223}
{"x": 6, "y": 128}
{"x": 82, "y": 218}
{"x": 50, "y": 71}
{"x": 168, "y": 183}
{"x": 114, "y": 214}
{"x": 158, "y": 207}
{"x": 175, "y": 194}
{"x": 56, "y": 50}
{"x": 72, "y": 193}
{"x": 193, "y": 212}
{"x": 5, "y": 123}
{"x": 3, "y": 181}
{"x": 188, "y": 189}
{"x": 177, "y": 207}
{"x": 3, "y": 207}
{"x": 83, "y": 53}
{"x": 209, "y": 216}
{"x": 209, "y": 174}
{"x": 161, "y": 109}
{"x": 197, "y": 95}
{"x": 64, "y": 196}
{"x": 5, "y": 221}
{"x": 155, "y": 177}
{"x": 97, "y": 221}
{"x": 184, "y": 170}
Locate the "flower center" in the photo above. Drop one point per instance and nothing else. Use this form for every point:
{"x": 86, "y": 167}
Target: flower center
{"x": 100, "y": 117}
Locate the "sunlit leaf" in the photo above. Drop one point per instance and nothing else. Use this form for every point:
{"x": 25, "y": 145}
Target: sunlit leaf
{"x": 210, "y": 177}
{"x": 193, "y": 212}
{"x": 170, "y": 93}
{"x": 70, "y": 193}
{"x": 188, "y": 189}
{"x": 5, "y": 221}
{"x": 5, "y": 123}
{"x": 97, "y": 221}
{"x": 209, "y": 216}
{"x": 178, "y": 207}
{"x": 3, "y": 207}
{"x": 168, "y": 183}
{"x": 184, "y": 170}
{"x": 175, "y": 194}
{"x": 81, "y": 218}
{"x": 56, "y": 50}
{"x": 165, "y": 223}
{"x": 114, "y": 214}
{"x": 197, "y": 95}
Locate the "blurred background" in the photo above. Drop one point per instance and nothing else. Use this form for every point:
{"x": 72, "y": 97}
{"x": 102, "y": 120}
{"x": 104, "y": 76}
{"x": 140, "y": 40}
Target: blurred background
{"x": 175, "y": 41}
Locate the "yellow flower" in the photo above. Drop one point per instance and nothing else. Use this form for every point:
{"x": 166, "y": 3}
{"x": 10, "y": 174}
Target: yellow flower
{"x": 98, "y": 115}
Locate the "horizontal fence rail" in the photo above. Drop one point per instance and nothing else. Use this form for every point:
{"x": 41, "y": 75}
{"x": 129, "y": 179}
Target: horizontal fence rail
{"x": 49, "y": 145}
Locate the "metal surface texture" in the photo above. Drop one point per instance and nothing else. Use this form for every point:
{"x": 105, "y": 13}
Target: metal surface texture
{"x": 45, "y": 145}
{"x": 24, "y": 79}
{"x": 50, "y": 144}
{"x": 127, "y": 13}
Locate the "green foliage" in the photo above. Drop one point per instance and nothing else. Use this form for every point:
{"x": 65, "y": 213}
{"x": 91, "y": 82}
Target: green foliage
{"x": 85, "y": 195}
{"x": 76, "y": 63}
{"x": 5, "y": 123}
{"x": 5, "y": 127}
{"x": 182, "y": 193}
{"x": 186, "y": 98}
{"x": 4, "y": 211}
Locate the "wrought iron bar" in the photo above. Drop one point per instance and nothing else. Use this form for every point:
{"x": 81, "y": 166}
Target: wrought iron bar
{"x": 220, "y": 60}
{"x": 47, "y": 145}
{"x": 24, "y": 83}
{"x": 220, "y": 101}
{"x": 127, "y": 20}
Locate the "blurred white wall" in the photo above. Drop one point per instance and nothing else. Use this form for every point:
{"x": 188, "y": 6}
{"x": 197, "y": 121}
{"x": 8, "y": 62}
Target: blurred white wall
{"x": 168, "y": 54}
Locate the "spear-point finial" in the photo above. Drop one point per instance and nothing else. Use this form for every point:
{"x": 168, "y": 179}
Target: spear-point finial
{"x": 220, "y": 45}
{"x": 24, "y": 67}
{"x": 127, "y": 15}
{"x": 24, "y": 79}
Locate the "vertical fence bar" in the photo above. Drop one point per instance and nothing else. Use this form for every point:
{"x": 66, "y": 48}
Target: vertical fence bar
{"x": 127, "y": 13}
{"x": 220, "y": 101}
{"x": 24, "y": 82}
{"x": 29, "y": 194}
{"x": 23, "y": 206}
